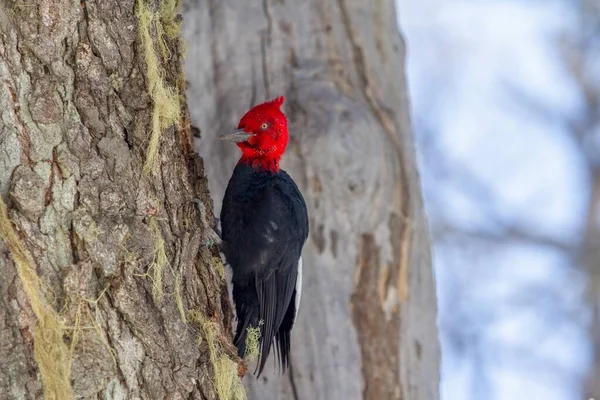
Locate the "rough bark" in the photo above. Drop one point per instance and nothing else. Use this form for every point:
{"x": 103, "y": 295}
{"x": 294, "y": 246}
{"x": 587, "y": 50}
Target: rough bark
{"x": 367, "y": 323}
{"x": 102, "y": 262}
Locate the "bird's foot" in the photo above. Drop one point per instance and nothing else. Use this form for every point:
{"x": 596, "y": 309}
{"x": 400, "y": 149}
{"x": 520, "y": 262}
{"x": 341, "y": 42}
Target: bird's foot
{"x": 211, "y": 236}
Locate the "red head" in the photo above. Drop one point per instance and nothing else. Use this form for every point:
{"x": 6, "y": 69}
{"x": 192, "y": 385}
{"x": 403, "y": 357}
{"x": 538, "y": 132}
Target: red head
{"x": 262, "y": 135}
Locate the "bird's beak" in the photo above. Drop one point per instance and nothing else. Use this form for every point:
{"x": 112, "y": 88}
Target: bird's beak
{"x": 238, "y": 135}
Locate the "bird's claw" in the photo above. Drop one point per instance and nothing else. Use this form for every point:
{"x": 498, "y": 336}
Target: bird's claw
{"x": 211, "y": 236}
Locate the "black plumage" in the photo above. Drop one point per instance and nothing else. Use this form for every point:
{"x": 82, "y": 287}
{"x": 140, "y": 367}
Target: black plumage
{"x": 264, "y": 226}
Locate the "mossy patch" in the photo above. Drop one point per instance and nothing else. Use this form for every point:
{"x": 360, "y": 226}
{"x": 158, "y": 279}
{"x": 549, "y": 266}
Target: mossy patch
{"x": 227, "y": 383}
{"x": 51, "y": 353}
{"x": 96, "y": 324}
{"x": 252, "y": 342}
{"x": 166, "y": 101}
{"x": 156, "y": 270}
{"x": 84, "y": 323}
{"x": 217, "y": 262}
{"x": 169, "y": 27}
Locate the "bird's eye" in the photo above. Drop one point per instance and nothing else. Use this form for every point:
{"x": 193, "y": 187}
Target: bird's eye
{"x": 264, "y": 126}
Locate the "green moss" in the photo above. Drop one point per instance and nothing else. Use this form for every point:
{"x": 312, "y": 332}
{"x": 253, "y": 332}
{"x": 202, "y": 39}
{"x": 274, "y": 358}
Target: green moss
{"x": 156, "y": 270}
{"x": 168, "y": 17}
{"x": 95, "y": 320}
{"x": 218, "y": 264}
{"x": 252, "y": 342}
{"x": 227, "y": 383}
{"x": 167, "y": 107}
{"x": 52, "y": 356}
{"x": 169, "y": 28}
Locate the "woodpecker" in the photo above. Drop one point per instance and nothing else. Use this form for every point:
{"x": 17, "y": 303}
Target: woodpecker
{"x": 264, "y": 225}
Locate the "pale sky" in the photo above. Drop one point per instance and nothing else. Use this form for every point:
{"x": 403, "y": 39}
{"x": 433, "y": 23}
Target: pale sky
{"x": 463, "y": 59}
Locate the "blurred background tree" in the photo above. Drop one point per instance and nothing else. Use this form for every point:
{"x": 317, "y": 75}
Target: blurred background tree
{"x": 506, "y": 100}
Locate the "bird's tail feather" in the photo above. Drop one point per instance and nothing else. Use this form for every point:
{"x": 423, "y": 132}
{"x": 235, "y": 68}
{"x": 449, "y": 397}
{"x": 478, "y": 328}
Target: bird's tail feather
{"x": 274, "y": 320}
{"x": 283, "y": 340}
{"x": 273, "y": 294}
{"x": 284, "y": 335}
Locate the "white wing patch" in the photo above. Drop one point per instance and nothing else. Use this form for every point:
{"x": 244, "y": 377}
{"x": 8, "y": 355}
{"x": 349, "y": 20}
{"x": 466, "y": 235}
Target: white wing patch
{"x": 298, "y": 288}
{"x": 270, "y": 234}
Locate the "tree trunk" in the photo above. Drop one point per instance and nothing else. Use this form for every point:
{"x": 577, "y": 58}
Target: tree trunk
{"x": 110, "y": 275}
{"x": 591, "y": 261}
{"x": 367, "y": 323}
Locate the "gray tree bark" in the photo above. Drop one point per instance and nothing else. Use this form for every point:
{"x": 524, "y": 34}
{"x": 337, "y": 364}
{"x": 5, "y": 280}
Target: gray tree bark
{"x": 367, "y": 323}
{"x": 110, "y": 283}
